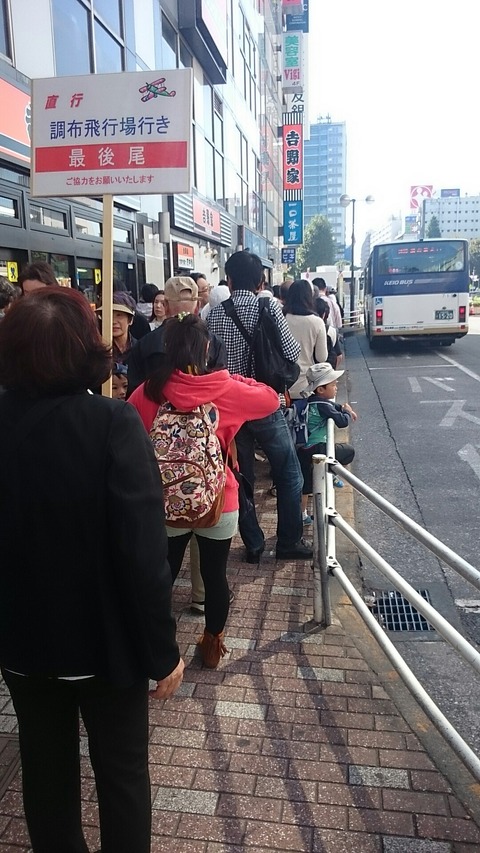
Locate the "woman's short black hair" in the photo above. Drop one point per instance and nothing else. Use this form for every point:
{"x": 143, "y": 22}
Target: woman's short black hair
{"x": 50, "y": 344}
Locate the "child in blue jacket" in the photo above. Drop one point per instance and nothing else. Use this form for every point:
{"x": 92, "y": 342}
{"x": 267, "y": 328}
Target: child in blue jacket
{"x": 320, "y": 392}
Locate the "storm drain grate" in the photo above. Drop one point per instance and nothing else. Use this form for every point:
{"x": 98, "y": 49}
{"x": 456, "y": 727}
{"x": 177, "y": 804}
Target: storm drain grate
{"x": 395, "y": 613}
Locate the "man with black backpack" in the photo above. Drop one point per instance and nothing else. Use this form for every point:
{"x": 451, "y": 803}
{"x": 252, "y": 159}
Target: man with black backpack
{"x": 249, "y": 334}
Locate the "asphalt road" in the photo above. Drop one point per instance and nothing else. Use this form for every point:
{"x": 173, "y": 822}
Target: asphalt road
{"x": 417, "y": 441}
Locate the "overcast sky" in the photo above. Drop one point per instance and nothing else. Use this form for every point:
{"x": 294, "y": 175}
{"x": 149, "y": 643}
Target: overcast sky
{"x": 405, "y": 77}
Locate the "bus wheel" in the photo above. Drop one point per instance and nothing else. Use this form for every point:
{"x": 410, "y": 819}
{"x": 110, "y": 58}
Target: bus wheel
{"x": 373, "y": 343}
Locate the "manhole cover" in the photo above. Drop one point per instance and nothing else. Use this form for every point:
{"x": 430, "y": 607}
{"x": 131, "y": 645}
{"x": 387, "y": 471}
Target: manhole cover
{"x": 395, "y": 613}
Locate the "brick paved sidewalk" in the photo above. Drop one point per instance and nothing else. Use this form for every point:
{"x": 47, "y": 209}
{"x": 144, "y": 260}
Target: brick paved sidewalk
{"x": 291, "y": 745}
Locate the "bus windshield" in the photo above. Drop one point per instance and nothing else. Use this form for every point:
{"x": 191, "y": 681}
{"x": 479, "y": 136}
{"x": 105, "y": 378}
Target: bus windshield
{"x": 421, "y": 257}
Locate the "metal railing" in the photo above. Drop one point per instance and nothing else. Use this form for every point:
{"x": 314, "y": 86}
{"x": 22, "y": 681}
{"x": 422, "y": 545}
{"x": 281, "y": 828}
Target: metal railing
{"x": 325, "y": 565}
{"x": 353, "y": 319}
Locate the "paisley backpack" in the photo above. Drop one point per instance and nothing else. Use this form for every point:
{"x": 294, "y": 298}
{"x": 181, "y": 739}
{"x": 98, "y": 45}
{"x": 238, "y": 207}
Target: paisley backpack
{"x": 191, "y": 464}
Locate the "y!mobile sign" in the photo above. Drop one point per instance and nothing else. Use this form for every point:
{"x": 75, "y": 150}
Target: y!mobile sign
{"x": 116, "y": 134}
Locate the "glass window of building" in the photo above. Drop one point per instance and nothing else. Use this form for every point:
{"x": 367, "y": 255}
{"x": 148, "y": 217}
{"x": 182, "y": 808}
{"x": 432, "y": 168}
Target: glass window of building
{"x": 169, "y": 44}
{"x": 218, "y": 122}
{"x": 230, "y": 178}
{"x": 243, "y": 212}
{"x": 200, "y": 179}
{"x": 219, "y": 183}
{"x": 185, "y": 57}
{"x": 198, "y": 100}
{"x": 47, "y": 217}
{"x": 207, "y": 110}
{"x": 244, "y": 155}
{"x": 71, "y": 37}
{"x": 87, "y": 227}
{"x": 4, "y": 39}
{"x": 209, "y": 171}
{"x": 122, "y": 235}
{"x": 109, "y": 10}
{"x": 129, "y": 24}
{"x": 108, "y": 52}
{"x": 8, "y": 207}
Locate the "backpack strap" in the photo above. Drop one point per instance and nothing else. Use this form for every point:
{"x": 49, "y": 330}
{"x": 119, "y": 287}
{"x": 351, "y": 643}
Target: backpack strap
{"x": 230, "y": 310}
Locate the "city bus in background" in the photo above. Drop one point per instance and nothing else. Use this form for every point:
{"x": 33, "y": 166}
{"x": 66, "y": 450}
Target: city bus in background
{"x": 417, "y": 291}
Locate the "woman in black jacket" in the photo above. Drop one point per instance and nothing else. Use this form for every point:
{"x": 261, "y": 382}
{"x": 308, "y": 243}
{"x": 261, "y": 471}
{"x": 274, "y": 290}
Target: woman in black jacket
{"x": 85, "y": 588}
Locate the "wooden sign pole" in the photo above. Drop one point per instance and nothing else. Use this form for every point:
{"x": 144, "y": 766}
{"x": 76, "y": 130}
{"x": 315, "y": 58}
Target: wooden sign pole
{"x": 107, "y": 280}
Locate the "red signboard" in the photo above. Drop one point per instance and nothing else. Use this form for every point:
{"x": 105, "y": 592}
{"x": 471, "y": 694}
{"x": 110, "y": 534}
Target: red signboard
{"x": 206, "y": 218}
{"x": 184, "y": 256}
{"x": 292, "y": 157}
{"x": 115, "y": 155}
{"x": 14, "y": 122}
{"x": 418, "y": 193}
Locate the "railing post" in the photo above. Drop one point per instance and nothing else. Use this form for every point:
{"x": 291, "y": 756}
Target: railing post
{"x": 322, "y": 612}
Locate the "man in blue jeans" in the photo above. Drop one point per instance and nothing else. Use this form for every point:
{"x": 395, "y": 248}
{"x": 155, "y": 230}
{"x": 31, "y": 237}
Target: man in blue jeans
{"x": 244, "y": 273}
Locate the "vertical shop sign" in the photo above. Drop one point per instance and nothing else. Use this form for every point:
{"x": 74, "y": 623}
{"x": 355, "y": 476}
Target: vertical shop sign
{"x": 292, "y": 76}
{"x": 293, "y": 156}
{"x": 292, "y": 179}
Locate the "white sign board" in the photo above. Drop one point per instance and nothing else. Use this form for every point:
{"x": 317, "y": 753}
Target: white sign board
{"x": 115, "y": 134}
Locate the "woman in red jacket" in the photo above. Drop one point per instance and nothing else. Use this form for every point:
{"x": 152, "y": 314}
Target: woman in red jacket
{"x": 184, "y": 381}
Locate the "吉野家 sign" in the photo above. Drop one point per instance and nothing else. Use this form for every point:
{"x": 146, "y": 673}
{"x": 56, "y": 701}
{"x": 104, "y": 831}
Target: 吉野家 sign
{"x": 115, "y": 134}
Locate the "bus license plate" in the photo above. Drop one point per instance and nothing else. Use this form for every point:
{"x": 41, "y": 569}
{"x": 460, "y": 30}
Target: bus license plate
{"x": 443, "y": 315}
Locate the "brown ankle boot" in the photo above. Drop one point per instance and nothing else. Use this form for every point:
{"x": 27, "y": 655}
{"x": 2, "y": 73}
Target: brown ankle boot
{"x": 212, "y": 649}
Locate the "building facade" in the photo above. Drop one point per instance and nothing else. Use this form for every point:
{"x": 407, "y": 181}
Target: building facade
{"x": 236, "y": 197}
{"x": 457, "y": 216}
{"x": 325, "y": 175}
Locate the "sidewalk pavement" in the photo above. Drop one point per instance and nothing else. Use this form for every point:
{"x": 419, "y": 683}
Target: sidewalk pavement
{"x": 303, "y": 739}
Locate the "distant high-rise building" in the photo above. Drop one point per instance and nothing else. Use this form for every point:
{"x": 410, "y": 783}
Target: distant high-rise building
{"x": 457, "y": 216}
{"x": 325, "y": 155}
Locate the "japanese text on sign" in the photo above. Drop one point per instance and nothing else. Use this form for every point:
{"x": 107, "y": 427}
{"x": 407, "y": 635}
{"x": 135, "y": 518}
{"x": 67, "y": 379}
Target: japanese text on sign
{"x": 93, "y": 131}
{"x": 293, "y": 157}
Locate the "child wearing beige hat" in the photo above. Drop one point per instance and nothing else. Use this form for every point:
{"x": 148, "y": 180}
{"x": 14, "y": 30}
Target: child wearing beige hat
{"x": 320, "y": 404}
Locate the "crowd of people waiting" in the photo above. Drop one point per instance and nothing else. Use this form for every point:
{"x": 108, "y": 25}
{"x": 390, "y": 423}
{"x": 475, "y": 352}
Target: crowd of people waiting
{"x": 87, "y": 628}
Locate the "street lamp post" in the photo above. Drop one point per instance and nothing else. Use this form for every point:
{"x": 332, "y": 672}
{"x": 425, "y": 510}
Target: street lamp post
{"x": 345, "y": 200}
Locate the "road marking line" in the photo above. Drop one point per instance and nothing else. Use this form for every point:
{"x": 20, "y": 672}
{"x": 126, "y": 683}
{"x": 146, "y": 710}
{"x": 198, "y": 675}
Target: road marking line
{"x": 402, "y": 367}
{"x": 460, "y": 366}
{"x": 470, "y": 455}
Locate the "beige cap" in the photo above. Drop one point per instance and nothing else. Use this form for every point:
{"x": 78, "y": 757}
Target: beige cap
{"x": 124, "y": 309}
{"x": 181, "y": 288}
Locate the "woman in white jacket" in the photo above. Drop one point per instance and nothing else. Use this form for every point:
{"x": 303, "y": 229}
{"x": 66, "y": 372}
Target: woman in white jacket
{"x": 307, "y": 328}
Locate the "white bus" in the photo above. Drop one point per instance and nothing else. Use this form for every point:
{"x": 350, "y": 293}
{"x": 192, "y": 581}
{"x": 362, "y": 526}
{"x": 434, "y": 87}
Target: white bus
{"x": 417, "y": 290}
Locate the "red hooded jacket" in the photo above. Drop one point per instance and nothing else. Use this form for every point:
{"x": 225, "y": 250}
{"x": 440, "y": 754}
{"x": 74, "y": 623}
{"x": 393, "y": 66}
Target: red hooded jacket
{"x": 237, "y": 398}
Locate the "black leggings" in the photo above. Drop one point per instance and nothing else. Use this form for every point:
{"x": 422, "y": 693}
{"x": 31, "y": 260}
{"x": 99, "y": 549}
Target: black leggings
{"x": 213, "y": 569}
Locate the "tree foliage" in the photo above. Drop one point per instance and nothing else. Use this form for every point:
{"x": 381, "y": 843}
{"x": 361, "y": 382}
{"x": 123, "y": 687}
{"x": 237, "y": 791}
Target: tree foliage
{"x": 433, "y": 229}
{"x": 318, "y": 247}
{"x": 474, "y": 251}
